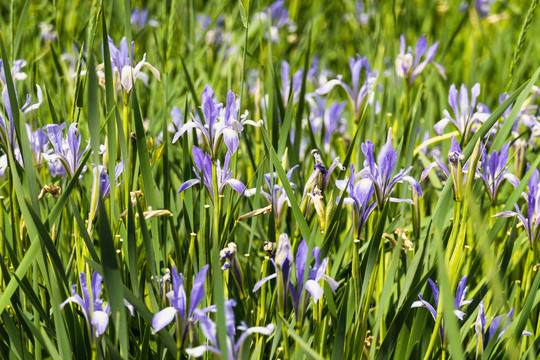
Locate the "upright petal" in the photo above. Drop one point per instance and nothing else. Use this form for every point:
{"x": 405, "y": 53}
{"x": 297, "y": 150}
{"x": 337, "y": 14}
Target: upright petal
{"x": 300, "y": 262}
{"x": 197, "y": 292}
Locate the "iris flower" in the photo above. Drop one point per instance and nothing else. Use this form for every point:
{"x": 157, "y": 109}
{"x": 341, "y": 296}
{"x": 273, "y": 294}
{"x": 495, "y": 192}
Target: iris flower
{"x": 102, "y": 183}
{"x": 66, "y": 150}
{"x": 494, "y": 170}
{"x": 221, "y": 125}
{"x": 360, "y": 194}
{"x": 465, "y": 117}
{"x": 532, "y": 221}
{"x": 276, "y": 195}
{"x": 279, "y": 18}
{"x": 500, "y": 322}
{"x": 287, "y": 87}
{"x": 125, "y": 72}
{"x": 180, "y": 310}
{"x": 234, "y": 346}
{"x": 283, "y": 264}
{"x": 203, "y": 172}
{"x": 409, "y": 66}
{"x": 7, "y": 126}
{"x": 16, "y": 72}
{"x": 95, "y": 313}
{"x": 459, "y": 301}
{"x": 483, "y": 7}
{"x": 359, "y": 93}
{"x": 380, "y": 173}
{"x": 327, "y": 120}
{"x": 139, "y": 19}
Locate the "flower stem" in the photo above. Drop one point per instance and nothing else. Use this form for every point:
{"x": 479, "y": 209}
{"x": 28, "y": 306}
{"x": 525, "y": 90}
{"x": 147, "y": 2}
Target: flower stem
{"x": 217, "y": 278}
{"x": 438, "y": 323}
{"x": 94, "y": 350}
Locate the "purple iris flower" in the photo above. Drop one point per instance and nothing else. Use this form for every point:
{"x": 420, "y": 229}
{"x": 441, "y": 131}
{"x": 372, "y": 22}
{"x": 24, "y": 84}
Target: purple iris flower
{"x": 409, "y": 66}
{"x": 38, "y": 142}
{"x": 465, "y": 118}
{"x": 215, "y": 132}
{"x": 47, "y": 32}
{"x": 480, "y": 327}
{"x": 459, "y": 301}
{"x": 102, "y": 182}
{"x": 234, "y": 346}
{"x": 359, "y": 92}
{"x": 177, "y": 118}
{"x": 16, "y": 72}
{"x": 123, "y": 68}
{"x": 96, "y": 315}
{"x": 286, "y": 83}
{"x": 7, "y": 126}
{"x": 179, "y": 308}
{"x": 283, "y": 264}
{"x": 494, "y": 170}
{"x": 532, "y": 221}
{"x": 328, "y": 119}
{"x": 527, "y": 115}
{"x": 276, "y": 195}
{"x": 362, "y": 15}
{"x": 66, "y": 150}
{"x": 203, "y": 172}
{"x": 380, "y": 173}
{"x": 277, "y": 17}
{"x": 360, "y": 194}
{"x": 483, "y": 7}
{"x": 139, "y": 19}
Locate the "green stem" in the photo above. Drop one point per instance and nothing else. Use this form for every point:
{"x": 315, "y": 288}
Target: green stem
{"x": 94, "y": 350}
{"x": 435, "y": 332}
{"x": 127, "y": 170}
{"x": 178, "y": 339}
{"x": 217, "y": 277}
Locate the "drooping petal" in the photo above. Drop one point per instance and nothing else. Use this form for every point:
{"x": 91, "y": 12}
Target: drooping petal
{"x": 230, "y": 138}
{"x": 423, "y": 303}
{"x": 237, "y": 185}
{"x": 266, "y": 331}
{"x": 315, "y": 289}
{"x": 199, "y": 351}
{"x": 188, "y": 184}
{"x": 100, "y": 320}
{"x": 333, "y": 283}
{"x": 259, "y": 283}
{"x": 440, "y": 125}
{"x": 426, "y": 171}
{"x": 163, "y": 318}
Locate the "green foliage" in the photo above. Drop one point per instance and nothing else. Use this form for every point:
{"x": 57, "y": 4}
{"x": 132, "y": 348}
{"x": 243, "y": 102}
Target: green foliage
{"x": 52, "y": 227}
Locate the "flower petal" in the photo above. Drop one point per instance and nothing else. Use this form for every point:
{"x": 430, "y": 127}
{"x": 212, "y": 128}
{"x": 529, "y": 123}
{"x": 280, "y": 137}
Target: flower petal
{"x": 163, "y": 318}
